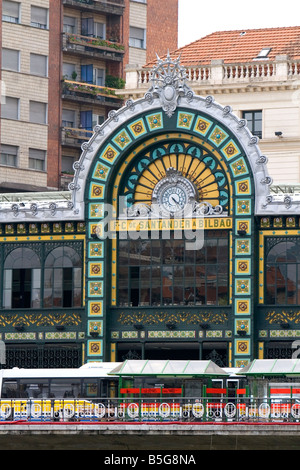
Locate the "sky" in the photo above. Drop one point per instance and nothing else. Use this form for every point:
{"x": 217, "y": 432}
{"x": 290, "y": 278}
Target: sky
{"x": 198, "y": 18}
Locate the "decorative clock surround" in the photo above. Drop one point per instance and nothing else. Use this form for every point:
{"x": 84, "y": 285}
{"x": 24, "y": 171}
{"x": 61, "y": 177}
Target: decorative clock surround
{"x": 174, "y": 193}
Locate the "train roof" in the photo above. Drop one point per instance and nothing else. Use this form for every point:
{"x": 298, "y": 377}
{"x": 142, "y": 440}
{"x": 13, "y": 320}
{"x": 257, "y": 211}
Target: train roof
{"x": 260, "y": 367}
{"x": 99, "y": 369}
{"x": 169, "y": 368}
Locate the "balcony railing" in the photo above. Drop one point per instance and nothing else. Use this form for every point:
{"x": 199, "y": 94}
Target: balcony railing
{"x": 75, "y": 136}
{"x": 218, "y": 73}
{"x": 115, "y": 7}
{"x": 86, "y": 45}
{"x": 91, "y": 93}
{"x": 176, "y": 410}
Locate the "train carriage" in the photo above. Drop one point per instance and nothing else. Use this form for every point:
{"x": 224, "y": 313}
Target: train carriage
{"x": 52, "y": 394}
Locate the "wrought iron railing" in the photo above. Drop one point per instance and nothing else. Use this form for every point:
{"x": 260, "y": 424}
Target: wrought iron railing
{"x": 177, "y": 410}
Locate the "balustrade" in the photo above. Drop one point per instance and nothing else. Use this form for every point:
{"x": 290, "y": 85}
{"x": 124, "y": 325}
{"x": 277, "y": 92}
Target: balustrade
{"x": 218, "y": 73}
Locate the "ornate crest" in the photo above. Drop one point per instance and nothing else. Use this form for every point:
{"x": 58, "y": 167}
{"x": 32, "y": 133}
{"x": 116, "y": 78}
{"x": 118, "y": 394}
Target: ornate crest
{"x": 168, "y": 79}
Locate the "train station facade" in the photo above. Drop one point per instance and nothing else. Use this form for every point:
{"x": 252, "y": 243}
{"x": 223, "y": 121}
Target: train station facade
{"x": 169, "y": 243}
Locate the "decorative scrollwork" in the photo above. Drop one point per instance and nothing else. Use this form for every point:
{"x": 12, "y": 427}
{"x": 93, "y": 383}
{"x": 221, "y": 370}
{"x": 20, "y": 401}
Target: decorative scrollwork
{"x": 86, "y": 147}
{"x": 288, "y": 202}
{"x": 15, "y": 209}
{"x": 73, "y": 187}
{"x": 98, "y": 130}
{"x": 262, "y": 160}
{"x": 132, "y": 318}
{"x": 113, "y": 115}
{"x": 138, "y": 210}
{"x": 34, "y": 208}
{"x": 53, "y": 208}
{"x": 130, "y": 104}
{"x": 254, "y": 140}
{"x": 168, "y": 79}
{"x": 242, "y": 123}
{"x": 267, "y": 180}
{"x": 227, "y": 110}
{"x": 209, "y": 101}
{"x": 78, "y": 166}
{"x": 205, "y": 208}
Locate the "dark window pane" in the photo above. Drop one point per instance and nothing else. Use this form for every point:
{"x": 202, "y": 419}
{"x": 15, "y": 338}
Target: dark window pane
{"x": 164, "y": 272}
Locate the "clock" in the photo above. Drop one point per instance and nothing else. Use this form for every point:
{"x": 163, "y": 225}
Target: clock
{"x": 173, "y": 194}
{"x": 174, "y": 198}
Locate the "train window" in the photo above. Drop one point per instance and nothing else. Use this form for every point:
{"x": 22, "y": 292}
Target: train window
{"x": 9, "y": 389}
{"x": 65, "y": 388}
{"x": 90, "y": 388}
{"x": 217, "y": 383}
{"x": 193, "y": 388}
{"x": 112, "y": 389}
{"x": 34, "y": 388}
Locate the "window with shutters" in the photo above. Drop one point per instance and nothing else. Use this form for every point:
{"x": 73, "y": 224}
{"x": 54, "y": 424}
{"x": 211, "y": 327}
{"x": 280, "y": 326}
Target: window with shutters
{"x": 9, "y": 155}
{"x": 11, "y": 60}
{"x": 39, "y": 17}
{"x": 39, "y": 65}
{"x": 99, "y": 30}
{"x": 69, "y": 70}
{"x": 87, "y": 74}
{"x": 70, "y": 25}
{"x": 10, "y": 108}
{"x": 67, "y": 163}
{"x": 137, "y": 37}
{"x": 92, "y": 28}
{"x": 86, "y": 120}
{"x": 37, "y": 159}
{"x": 68, "y": 118}
{"x": 38, "y": 112}
{"x": 99, "y": 77}
{"x": 11, "y": 11}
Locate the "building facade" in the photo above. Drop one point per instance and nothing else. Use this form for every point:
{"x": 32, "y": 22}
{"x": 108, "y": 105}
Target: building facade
{"x": 168, "y": 244}
{"x": 256, "y": 72}
{"x": 61, "y": 63}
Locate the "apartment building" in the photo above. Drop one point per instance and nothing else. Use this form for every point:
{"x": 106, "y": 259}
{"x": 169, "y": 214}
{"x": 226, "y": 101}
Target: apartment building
{"x": 61, "y": 63}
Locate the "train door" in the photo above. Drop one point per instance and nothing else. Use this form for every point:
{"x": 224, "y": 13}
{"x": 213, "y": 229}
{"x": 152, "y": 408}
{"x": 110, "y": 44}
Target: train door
{"x": 232, "y": 386}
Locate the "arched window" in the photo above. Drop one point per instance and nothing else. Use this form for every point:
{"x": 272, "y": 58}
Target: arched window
{"x": 283, "y": 274}
{"x": 62, "y": 278}
{"x": 22, "y": 279}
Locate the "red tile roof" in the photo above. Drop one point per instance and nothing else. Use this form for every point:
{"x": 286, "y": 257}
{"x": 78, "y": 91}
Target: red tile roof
{"x": 240, "y": 46}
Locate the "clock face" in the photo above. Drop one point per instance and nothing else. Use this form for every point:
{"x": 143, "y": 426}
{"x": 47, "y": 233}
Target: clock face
{"x": 174, "y": 198}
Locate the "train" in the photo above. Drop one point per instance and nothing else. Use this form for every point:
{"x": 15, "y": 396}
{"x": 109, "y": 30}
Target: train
{"x": 153, "y": 390}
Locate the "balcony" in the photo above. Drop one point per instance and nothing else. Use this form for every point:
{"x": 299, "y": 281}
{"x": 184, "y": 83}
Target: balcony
{"x": 74, "y": 137}
{"x": 90, "y": 94}
{"x": 114, "y": 7}
{"x": 218, "y": 75}
{"x": 93, "y": 47}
